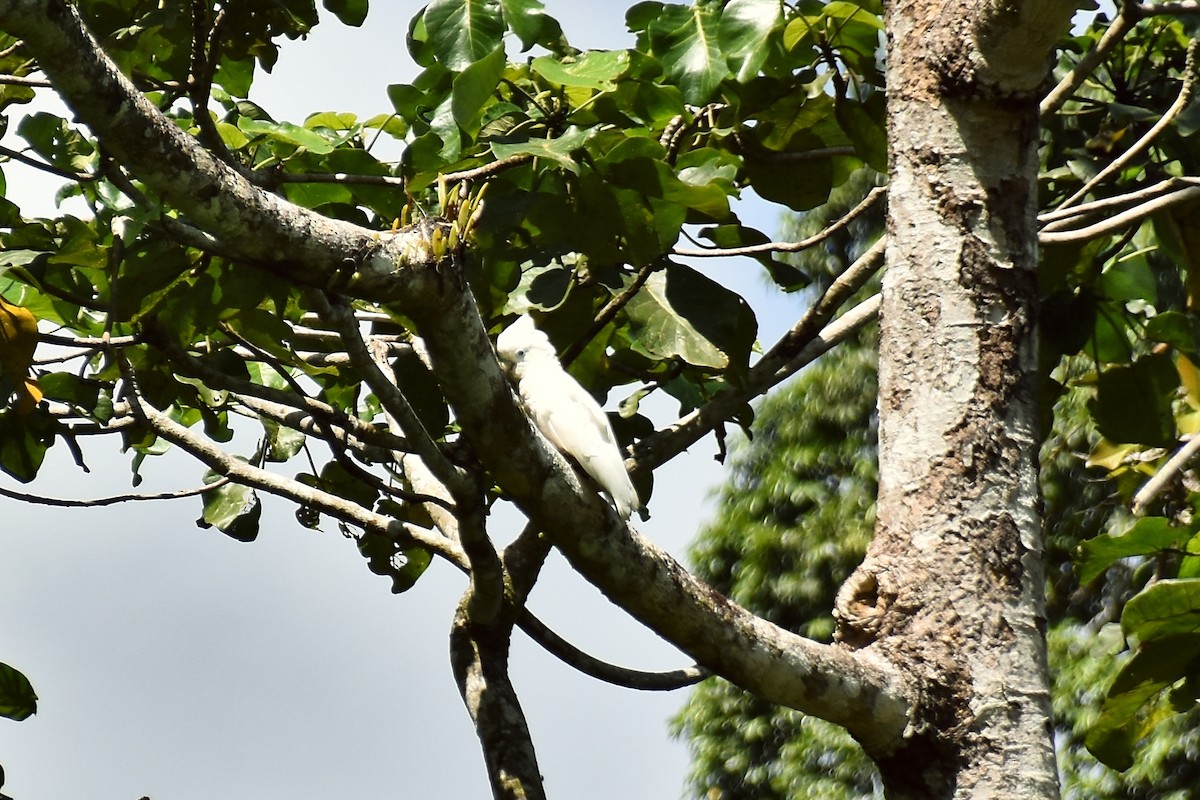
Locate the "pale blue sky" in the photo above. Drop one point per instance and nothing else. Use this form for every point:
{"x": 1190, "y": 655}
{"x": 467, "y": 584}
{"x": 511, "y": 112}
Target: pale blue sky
{"x": 176, "y": 663}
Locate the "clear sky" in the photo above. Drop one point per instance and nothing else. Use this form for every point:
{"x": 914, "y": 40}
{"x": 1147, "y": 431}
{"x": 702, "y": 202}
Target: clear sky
{"x": 176, "y": 663}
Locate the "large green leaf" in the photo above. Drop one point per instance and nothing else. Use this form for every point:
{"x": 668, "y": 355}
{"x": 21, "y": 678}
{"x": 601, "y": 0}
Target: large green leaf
{"x": 1133, "y": 403}
{"x": 1179, "y": 329}
{"x": 22, "y": 444}
{"x": 532, "y": 25}
{"x": 1167, "y": 608}
{"x": 1147, "y": 536}
{"x": 289, "y": 132}
{"x": 681, "y": 313}
{"x": 1153, "y": 668}
{"x": 596, "y": 69}
{"x": 463, "y": 31}
{"x": 56, "y": 141}
{"x": 18, "y": 701}
{"x": 350, "y": 12}
{"x": 402, "y": 561}
{"x": 473, "y": 87}
{"x": 687, "y": 41}
{"x": 746, "y": 34}
{"x": 234, "y": 510}
{"x": 560, "y": 150}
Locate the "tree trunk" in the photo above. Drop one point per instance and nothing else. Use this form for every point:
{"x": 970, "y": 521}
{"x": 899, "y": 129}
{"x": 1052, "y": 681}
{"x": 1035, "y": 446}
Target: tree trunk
{"x": 952, "y": 588}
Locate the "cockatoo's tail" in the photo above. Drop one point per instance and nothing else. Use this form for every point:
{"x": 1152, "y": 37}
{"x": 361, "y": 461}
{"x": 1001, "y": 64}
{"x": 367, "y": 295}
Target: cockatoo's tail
{"x": 565, "y": 412}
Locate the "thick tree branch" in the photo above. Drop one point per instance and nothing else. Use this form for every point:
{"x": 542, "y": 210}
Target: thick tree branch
{"x": 1061, "y": 93}
{"x": 261, "y": 227}
{"x": 479, "y": 658}
{"x": 1013, "y": 39}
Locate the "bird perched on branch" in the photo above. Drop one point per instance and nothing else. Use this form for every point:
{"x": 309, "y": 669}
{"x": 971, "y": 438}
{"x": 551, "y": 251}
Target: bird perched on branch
{"x": 565, "y": 412}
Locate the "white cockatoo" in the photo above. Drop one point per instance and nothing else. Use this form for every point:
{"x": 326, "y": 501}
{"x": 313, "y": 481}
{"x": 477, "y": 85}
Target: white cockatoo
{"x": 565, "y": 412}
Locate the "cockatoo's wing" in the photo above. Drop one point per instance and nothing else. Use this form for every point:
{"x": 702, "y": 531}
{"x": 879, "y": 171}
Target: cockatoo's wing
{"x": 565, "y": 412}
{"x": 574, "y": 422}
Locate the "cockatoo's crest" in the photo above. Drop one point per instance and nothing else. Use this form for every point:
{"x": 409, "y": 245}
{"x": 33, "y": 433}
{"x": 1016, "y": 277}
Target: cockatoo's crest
{"x": 564, "y": 411}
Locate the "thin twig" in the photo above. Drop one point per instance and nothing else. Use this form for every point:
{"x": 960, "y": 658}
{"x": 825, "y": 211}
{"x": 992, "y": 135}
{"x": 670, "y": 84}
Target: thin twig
{"x": 1118, "y": 221}
{"x": 790, "y": 247}
{"x": 16, "y": 155}
{"x": 88, "y": 342}
{"x": 593, "y": 667}
{"x": 337, "y": 449}
{"x": 112, "y": 499}
{"x": 1063, "y": 218}
{"x": 194, "y": 367}
{"x": 487, "y": 169}
{"x": 20, "y": 80}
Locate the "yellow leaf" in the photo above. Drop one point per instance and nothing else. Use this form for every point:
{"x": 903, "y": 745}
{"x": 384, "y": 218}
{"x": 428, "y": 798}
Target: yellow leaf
{"x": 1189, "y": 376}
{"x": 18, "y": 340}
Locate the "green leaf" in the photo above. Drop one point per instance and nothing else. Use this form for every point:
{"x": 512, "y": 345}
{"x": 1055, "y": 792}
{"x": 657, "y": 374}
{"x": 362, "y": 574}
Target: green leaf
{"x": 865, "y": 125}
{"x": 1153, "y": 668}
{"x": 282, "y": 442}
{"x": 234, "y": 510}
{"x": 1167, "y": 608}
{"x": 335, "y": 479}
{"x": 680, "y": 313}
{"x": 596, "y": 69}
{"x": 350, "y": 12}
{"x": 404, "y": 562}
{"x": 408, "y": 564}
{"x": 1147, "y": 536}
{"x": 21, "y": 450}
{"x": 532, "y": 25}
{"x": 687, "y": 41}
{"x": 745, "y": 33}
{"x": 56, "y": 141}
{"x": 800, "y": 185}
{"x": 463, "y": 31}
{"x": 473, "y": 87}
{"x": 1176, "y": 328}
{"x": 422, "y": 390}
{"x": 1130, "y": 279}
{"x": 18, "y": 701}
{"x": 1133, "y": 403}
{"x": 637, "y": 164}
{"x": 560, "y": 150}
{"x": 289, "y": 132}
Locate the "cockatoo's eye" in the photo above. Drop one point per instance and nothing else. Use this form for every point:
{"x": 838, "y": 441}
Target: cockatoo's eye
{"x": 521, "y": 353}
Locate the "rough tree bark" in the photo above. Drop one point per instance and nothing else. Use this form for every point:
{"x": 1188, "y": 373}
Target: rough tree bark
{"x": 952, "y": 588}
